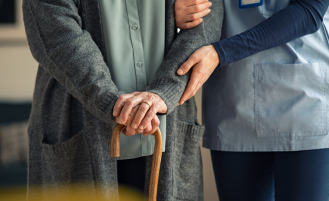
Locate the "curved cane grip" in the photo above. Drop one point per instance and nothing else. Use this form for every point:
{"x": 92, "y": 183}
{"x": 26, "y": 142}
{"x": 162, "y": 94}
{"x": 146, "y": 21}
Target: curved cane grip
{"x": 115, "y": 152}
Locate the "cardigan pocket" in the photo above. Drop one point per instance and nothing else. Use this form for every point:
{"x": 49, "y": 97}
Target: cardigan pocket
{"x": 68, "y": 162}
{"x": 187, "y": 171}
{"x": 290, "y": 100}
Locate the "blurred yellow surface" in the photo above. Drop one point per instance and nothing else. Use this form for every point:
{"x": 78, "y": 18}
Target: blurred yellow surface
{"x": 69, "y": 193}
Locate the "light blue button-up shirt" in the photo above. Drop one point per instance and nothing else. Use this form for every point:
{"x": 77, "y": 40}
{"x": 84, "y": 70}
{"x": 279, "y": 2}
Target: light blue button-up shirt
{"x": 134, "y": 33}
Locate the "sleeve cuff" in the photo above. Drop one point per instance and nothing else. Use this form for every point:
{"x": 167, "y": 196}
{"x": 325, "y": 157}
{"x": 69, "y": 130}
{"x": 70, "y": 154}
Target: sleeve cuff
{"x": 167, "y": 92}
{"x": 221, "y": 53}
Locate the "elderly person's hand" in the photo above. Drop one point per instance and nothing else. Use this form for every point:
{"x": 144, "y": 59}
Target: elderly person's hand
{"x": 204, "y": 61}
{"x": 148, "y": 129}
{"x": 189, "y": 13}
{"x": 138, "y": 112}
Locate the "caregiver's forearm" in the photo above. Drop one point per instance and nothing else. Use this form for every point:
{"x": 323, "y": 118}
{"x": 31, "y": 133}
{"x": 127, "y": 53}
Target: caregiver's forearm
{"x": 300, "y": 18}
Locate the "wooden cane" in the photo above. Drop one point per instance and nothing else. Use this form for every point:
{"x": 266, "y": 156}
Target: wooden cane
{"x": 115, "y": 152}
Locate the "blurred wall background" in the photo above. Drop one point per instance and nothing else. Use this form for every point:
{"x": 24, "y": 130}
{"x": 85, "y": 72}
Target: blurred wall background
{"x": 17, "y": 76}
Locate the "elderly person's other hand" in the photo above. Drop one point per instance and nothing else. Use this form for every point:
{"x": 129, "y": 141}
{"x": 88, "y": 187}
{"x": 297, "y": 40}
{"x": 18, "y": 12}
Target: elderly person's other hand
{"x": 138, "y": 112}
{"x": 189, "y": 13}
{"x": 204, "y": 61}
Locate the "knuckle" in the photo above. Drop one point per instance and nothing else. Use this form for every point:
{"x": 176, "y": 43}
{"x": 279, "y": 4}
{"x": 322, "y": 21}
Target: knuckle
{"x": 156, "y": 106}
{"x": 197, "y": 22}
{"x": 144, "y": 107}
{"x": 143, "y": 93}
{"x": 194, "y": 56}
{"x": 148, "y": 129}
{"x": 198, "y": 8}
{"x": 121, "y": 98}
{"x": 157, "y": 123}
{"x": 194, "y": 17}
{"x": 119, "y": 121}
{"x": 129, "y": 102}
{"x": 151, "y": 97}
{"x": 150, "y": 114}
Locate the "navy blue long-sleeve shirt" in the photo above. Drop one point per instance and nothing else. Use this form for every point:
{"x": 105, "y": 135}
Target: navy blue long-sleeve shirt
{"x": 300, "y": 18}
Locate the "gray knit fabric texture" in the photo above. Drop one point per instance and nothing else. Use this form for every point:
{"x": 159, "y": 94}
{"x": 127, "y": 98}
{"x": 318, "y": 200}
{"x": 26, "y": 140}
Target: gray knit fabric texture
{"x": 71, "y": 121}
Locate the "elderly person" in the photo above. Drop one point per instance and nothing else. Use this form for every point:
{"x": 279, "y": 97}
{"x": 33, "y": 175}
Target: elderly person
{"x": 90, "y": 54}
{"x": 265, "y": 102}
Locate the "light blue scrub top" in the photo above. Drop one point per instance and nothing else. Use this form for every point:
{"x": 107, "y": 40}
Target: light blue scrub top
{"x": 134, "y": 33}
{"x": 275, "y": 100}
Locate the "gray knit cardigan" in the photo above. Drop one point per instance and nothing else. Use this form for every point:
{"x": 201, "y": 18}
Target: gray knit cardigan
{"x": 71, "y": 121}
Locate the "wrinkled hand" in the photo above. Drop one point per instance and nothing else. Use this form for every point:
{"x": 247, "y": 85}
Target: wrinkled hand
{"x": 138, "y": 111}
{"x": 189, "y": 13}
{"x": 204, "y": 61}
{"x": 149, "y": 129}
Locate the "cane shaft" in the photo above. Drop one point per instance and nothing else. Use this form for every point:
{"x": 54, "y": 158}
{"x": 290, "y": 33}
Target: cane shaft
{"x": 153, "y": 188}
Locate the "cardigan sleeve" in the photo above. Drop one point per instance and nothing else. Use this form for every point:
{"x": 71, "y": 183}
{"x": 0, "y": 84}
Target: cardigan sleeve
{"x": 69, "y": 54}
{"x": 300, "y": 18}
{"x": 167, "y": 83}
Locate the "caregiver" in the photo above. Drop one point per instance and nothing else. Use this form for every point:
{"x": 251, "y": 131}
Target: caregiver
{"x": 265, "y": 104}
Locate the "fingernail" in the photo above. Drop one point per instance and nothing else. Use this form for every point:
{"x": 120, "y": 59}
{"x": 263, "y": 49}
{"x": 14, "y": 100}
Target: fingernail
{"x": 210, "y": 3}
{"x": 182, "y": 103}
{"x": 134, "y": 126}
{"x": 141, "y": 127}
{"x": 208, "y": 10}
{"x": 180, "y": 72}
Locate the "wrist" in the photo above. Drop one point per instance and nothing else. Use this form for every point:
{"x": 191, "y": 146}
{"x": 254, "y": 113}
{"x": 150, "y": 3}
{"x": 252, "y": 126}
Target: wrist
{"x": 162, "y": 108}
{"x": 214, "y": 55}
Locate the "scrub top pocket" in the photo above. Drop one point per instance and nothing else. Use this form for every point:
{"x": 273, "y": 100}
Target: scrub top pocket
{"x": 290, "y": 100}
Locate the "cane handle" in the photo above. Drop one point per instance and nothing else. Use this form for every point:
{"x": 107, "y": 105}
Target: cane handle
{"x": 115, "y": 152}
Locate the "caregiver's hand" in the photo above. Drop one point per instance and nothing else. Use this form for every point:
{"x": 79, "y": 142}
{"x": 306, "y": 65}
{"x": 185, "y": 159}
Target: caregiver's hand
{"x": 204, "y": 61}
{"x": 150, "y": 105}
{"x": 189, "y": 13}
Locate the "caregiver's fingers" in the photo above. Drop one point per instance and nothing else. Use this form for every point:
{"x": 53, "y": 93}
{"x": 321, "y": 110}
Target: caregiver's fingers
{"x": 197, "y": 8}
{"x": 191, "y": 89}
{"x": 120, "y": 103}
{"x": 187, "y": 65}
{"x": 191, "y": 95}
{"x": 179, "y": 3}
{"x": 196, "y": 16}
{"x": 189, "y": 25}
{"x": 188, "y": 14}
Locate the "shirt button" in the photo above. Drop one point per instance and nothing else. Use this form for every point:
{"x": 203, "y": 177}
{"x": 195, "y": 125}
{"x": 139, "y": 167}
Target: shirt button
{"x": 134, "y": 26}
{"x": 140, "y": 64}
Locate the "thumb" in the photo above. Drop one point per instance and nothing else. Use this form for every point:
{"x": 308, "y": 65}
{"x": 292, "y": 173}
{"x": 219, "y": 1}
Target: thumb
{"x": 185, "y": 67}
